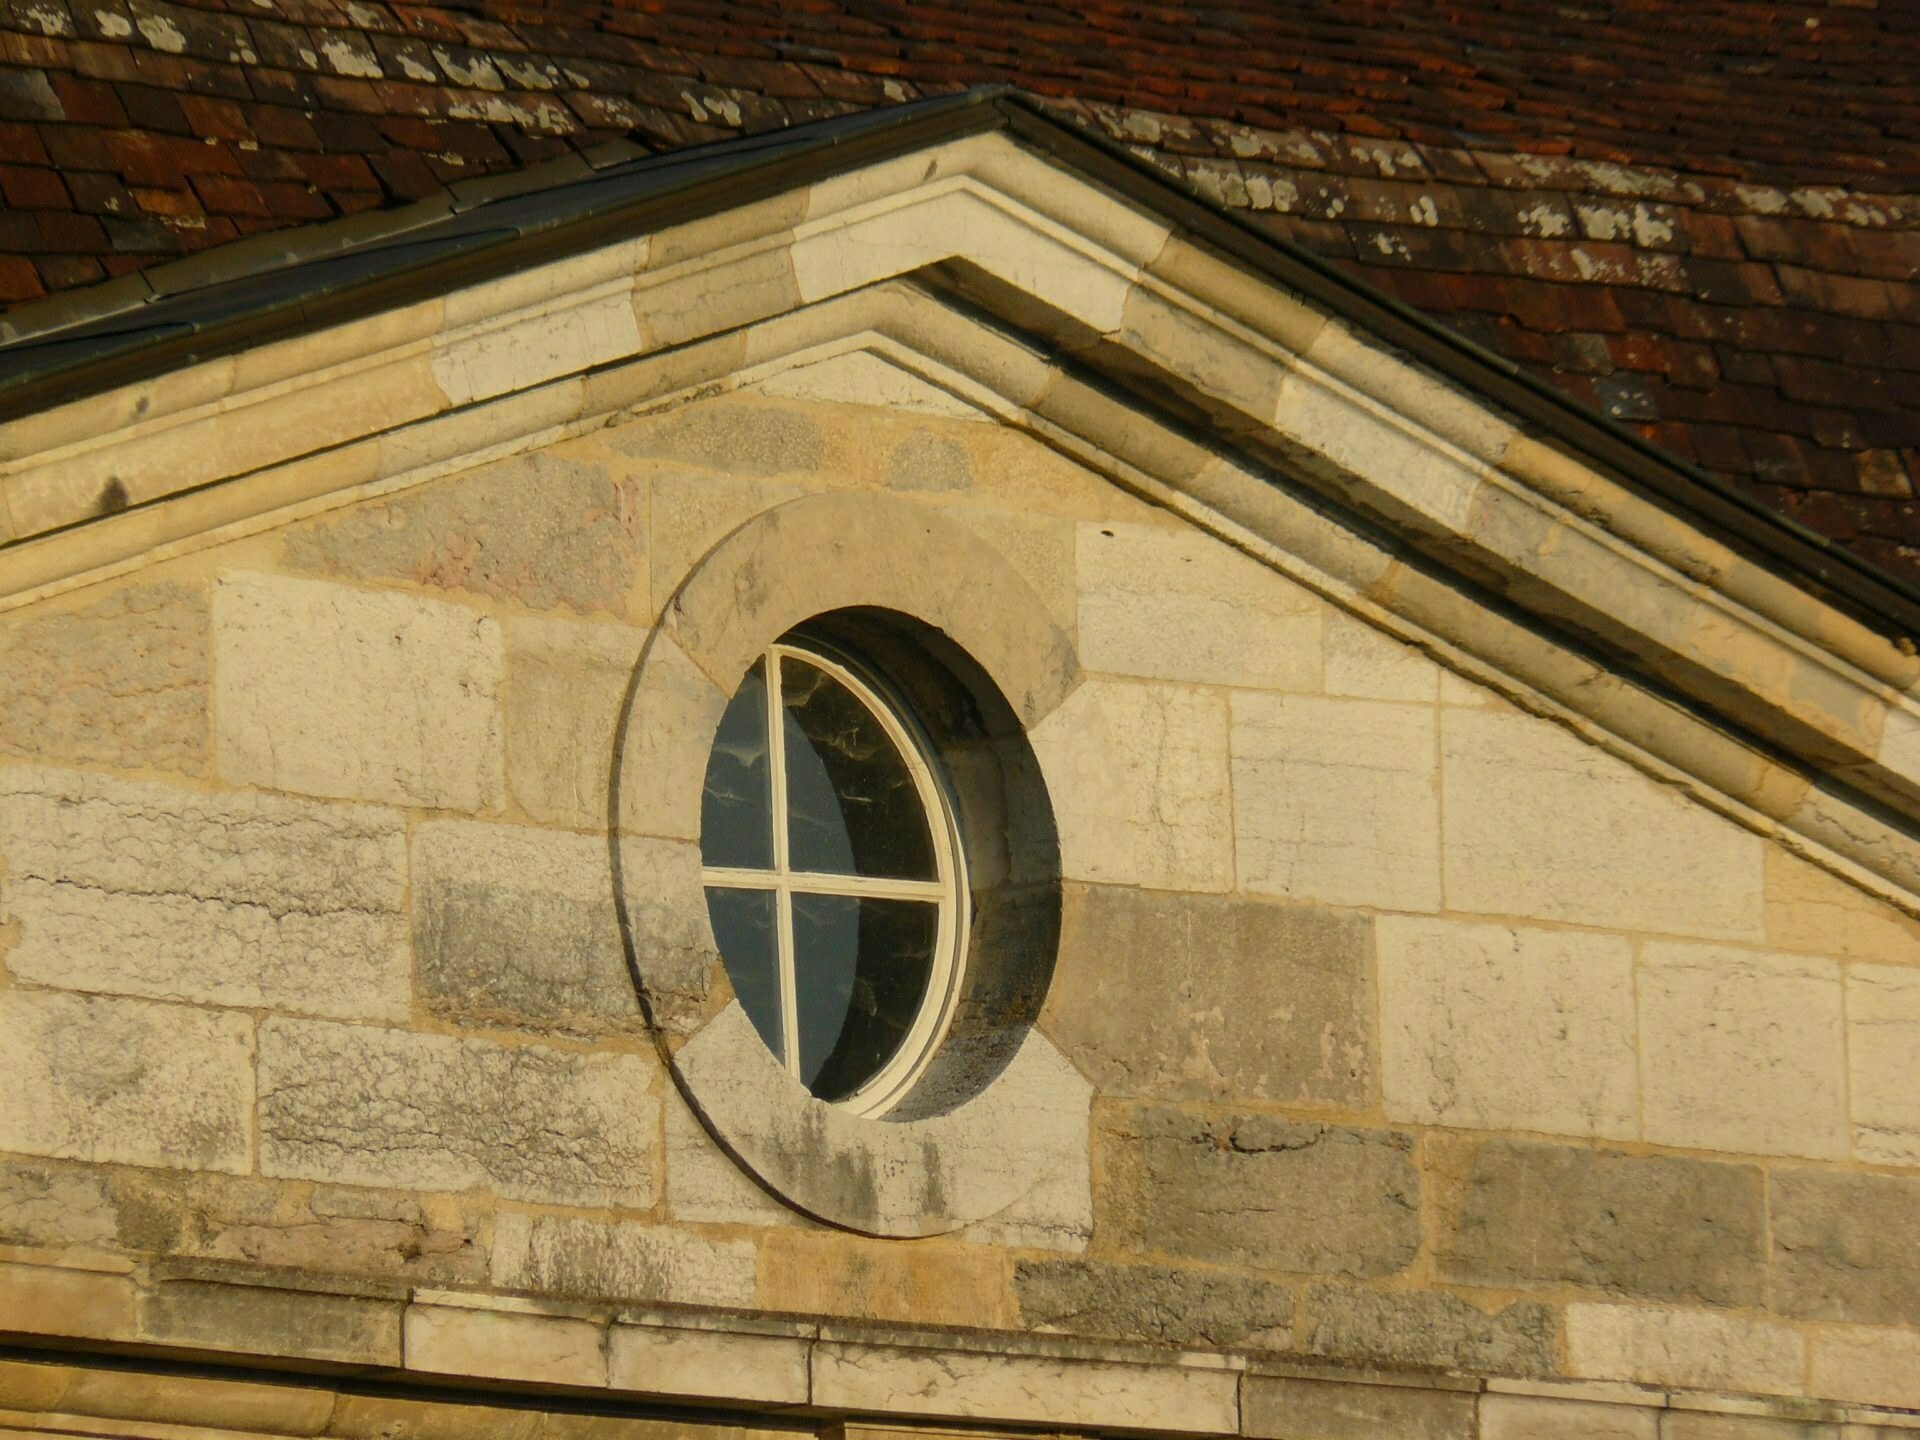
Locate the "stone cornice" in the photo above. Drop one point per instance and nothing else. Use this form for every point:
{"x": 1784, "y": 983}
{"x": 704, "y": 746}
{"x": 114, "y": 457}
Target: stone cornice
{"x": 1078, "y": 315}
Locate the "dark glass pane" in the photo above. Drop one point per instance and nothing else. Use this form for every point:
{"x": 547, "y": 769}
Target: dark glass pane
{"x": 736, "y": 809}
{"x": 851, "y": 803}
{"x": 861, "y": 969}
{"x": 743, "y": 924}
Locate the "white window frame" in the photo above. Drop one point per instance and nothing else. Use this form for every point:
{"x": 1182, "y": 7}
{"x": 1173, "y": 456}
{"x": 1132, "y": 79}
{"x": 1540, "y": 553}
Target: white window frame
{"x": 948, "y": 889}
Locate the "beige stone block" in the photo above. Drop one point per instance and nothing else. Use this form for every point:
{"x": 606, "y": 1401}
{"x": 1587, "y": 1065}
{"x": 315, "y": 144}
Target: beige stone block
{"x": 568, "y": 334}
{"x": 1257, "y": 1191}
{"x": 1742, "y": 1050}
{"x": 239, "y": 900}
{"x": 1541, "y": 824}
{"x": 55, "y": 1207}
{"x": 1363, "y": 663}
{"x": 516, "y": 927}
{"x": 504, "y": 1345}
{"x": 1335, "y": 801}
{"x": 1501, "y": 1027}
{"x": 364, "y": 696}
{"x": 263, "y": 1320}
{"x": 1866, "y": 1365}
{"x": 926, "y": 1283}
{"x": 1138, "y": 776}
{"x": 126, "y": 1081}
{"x": 706, "y": 1186}
{"x": 759, "y": 1369}
{"x": 1811, "y": 909}
{"x": 1694, "y": 1349}
{"x": 1883, "y": 1041}
{"x": 1024, "y": 1389}
{"x": 668, "y": 736}
{"x": 1705, "y": 1425}
{"x": 1160, "y": 602}
{"x": 1040, "y": 547}
{"x": 162, "y": 1399}
{"x": 122, "y": 680}
{"x": 566, "y": 685}
{"x": 862, "y": 377}
{"x": 73, "y": 1304}
{"x": 620, "y": 1260}
{"x": 1208, "y": 997}
{"x": 1846, "y": 1246}
{"x": 389, "y": 1417}
{"x": 357, "y": 1105}
{"x": 560, "y": 528}
{"x": 1536, "y": 1417}
{"x": 1278, "y": 1407}
{"x": 692, "y": 512}
{"x": 1161, "y": 1304}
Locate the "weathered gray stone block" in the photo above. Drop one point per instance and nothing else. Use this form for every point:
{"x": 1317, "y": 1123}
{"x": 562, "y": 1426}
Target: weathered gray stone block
{"x": 1168, "y": 996}
{"x": 1845, "y": 1246}
{"x": 54, "y": 1205}
{"x": 542, "y": 530}
{"x": 349, "y": 1329}
{"x": 516, "y": 927}
{"x": 1154, "y": 1302}
{"x": 1258, "y": 1191}
{"x": 122, "y": 681}
{"x": 729, "y": 436}
{"x": 929, "y": 461}
{"x": 1649, "y": 1226}
{"x": 242, "y": 900}
{"x": 364, "y": 1106}
{"x": 600, "y": 1260}
{"x": 128, "y": 1081}
{"x": 1276, "y": 1407}
{"x": 1426, "y": 1329}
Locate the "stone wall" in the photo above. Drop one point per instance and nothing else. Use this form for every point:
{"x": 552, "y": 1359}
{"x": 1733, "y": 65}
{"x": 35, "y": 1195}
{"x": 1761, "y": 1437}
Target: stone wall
{"x": 1424, "y": 1034}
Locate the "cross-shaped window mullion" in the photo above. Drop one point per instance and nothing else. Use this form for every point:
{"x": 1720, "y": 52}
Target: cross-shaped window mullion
{"x": 782, "y": 900}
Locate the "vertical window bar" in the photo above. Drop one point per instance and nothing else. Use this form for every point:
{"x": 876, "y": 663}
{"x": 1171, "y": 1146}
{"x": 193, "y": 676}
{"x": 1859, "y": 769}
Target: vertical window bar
{"x": 783, "y": 896}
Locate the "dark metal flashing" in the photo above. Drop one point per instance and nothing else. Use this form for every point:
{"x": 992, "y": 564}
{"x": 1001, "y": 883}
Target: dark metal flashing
{"x": 243, "y": 295}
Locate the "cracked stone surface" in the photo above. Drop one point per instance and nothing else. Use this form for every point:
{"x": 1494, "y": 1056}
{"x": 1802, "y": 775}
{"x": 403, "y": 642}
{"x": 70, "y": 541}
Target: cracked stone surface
{"x": 238, "y": 899}
{"x": 1154, "y": 1302}
{"x": 1257, "y": 1191}
{"x": 600, "y": 1260}
{"x": 1438, "y": 1330}
{"x": 366, "y": 1106}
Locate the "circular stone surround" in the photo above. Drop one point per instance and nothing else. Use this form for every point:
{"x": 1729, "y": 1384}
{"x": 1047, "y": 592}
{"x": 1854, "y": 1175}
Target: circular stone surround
{"x": 997, "y": 1124}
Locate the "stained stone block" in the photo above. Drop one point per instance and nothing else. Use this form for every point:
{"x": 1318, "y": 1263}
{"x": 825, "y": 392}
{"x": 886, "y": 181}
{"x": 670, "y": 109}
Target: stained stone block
{"x": 1138, "y": 776}
{"x": 729, "y": 436}
{"x": 1257, "y": 1191}
{"x": 1279, "y": 1407}
{"x": 543, "y": 530}
{"x": 1646, "y": 1226}
{"x": 126, "y": 1081}
{"x": 1167, "y": 603}
{"x": 1154, "y": 1302}
{"x": 53, "y": 1206}
{"x": 1883, "y": 1037}
{"x": 240, "y": 900}
{"x": 618, "y": 1260}
{"x": 122, "y": 681}
{"x": 1426, "y": 1329}
{"x": 1540, "y": 823}
{"x": 565, "y": 686}
{"x": 1544, "y": 1417}
{"x": 366, "y": 696}
{"x": 1334, "y": 801}
{"x": 1492, "y": 1026}
{"x": 516, "y": 927}
{"x": 1196, "y": 997}
{"x": 1846, "y": 1246}
{"x": 1742, "y": 1051}
{"x": 822, "y": 1272}
{"x": 362, "y": 1106}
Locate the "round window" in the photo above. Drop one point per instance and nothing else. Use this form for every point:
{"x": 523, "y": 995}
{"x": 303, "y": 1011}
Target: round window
{"x": 834, "y": 875}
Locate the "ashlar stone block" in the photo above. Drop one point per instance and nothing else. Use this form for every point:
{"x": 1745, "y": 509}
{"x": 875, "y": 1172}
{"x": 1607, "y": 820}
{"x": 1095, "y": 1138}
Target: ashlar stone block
{"x": 585, "y": 1259}
{"x": 1428, "y": 1329}
{"x": 1280, "y": 1407}
{"x": 1158, "y": 1303}
{"x": 359, "y": 1105}
{"x": 366, "y": 696}
{"x": 1742, "y": 1050}
{"x": 240, "y": 899}
{"x": 505, "y": 1345}
{"x": 1257, "y": 1191}
{"x": 514, "y": 926}
{"x": 1883, "y": 1041}
{"x": 1868, "y": 1365}
{"x": 1696, "y": 1349}
{"x": 121, "y": 681}
{"x": 1543, "y": 1417}
{"x": 1654, "y": 1227}
{"x": 1335, "y": 801}
{"x": 566, "y": 684}
{"x": 1846, "y": 1246}
{"x": 1504, "y": 1027}
{"x": 1199, "y": 997}
{"x": 1174, "y": 603}
{"x": 1810, "y": 909}
{"x": 1138, "y": 776}
{"x": 1541, "y": 824}
{"x": 126, "y": 1081}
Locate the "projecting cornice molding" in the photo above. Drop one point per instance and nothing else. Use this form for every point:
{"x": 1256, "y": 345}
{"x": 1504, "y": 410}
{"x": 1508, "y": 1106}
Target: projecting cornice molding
{"x": 1070, "y": 311}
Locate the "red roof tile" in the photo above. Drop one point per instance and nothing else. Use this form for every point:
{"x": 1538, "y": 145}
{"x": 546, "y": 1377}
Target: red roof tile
{"x": 1702, "y": 219}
